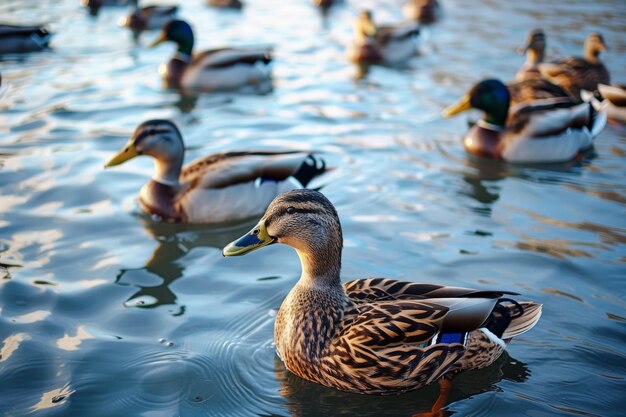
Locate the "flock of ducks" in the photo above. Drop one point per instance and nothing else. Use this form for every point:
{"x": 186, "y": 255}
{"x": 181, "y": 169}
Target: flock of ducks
{"x": 373, "y": 335}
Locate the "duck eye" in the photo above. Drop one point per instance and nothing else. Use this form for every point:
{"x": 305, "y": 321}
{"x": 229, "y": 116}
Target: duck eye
{"x": 255, "y": 232}
{"x": 291, "y": 210}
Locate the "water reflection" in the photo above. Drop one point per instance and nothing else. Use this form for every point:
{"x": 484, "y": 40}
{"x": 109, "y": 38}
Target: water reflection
{"x": 174, "y": 242}
{"x": 308, "y": 399}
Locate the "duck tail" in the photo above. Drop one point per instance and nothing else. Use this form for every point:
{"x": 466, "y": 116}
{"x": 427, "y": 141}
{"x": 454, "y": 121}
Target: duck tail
{"x": 311, "y": 167}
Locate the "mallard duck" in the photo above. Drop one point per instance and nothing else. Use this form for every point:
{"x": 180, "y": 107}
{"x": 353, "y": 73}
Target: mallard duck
{"x": 534, "y": 49}
{"x": 213, "y": 70}
{"x": 225, "y": 4}
{"x": 533, "y": 89}
{"x": 16, "y": 38}
{"x": 217, "y": 188}
{"x": 94, "y": 6}
{"x": 148, "y": 17}
{"x": 376, "y": 335}
{"x": 423, "y": 11}
{"x": 382, "y": 44}
{"x": 551, "y": 130}
{"x": 610, "y": 99}
{"x": 576, "y": 73}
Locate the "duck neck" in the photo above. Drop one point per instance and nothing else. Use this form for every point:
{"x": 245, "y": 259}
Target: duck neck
{"x": 591, "y": 55}
{"x": 534, "y": 57}
{"x": 185, "y": 47}
{"x": 321, "y": 263}
{"x": 168, "y": 168}
{"x": 497, "y": 117}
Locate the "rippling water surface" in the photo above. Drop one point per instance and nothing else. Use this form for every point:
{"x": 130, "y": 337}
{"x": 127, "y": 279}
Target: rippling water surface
{"x": 104, "y": 312}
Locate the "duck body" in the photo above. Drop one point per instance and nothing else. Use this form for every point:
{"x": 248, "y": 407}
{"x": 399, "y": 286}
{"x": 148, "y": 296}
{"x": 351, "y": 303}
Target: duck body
{"x": 376, "y": 335}
{"x": 222, "y": 69}
{"x": 541, "y": 131}
{"x": 225, "y": 4}
{"x": 20, "y": 39}
{"x": 149, "y": 18}
{"x": 612, "y": 101}
{"x": 217, "y": 188}
{"x": 423, "y": 11}
{"x": 390, "y": 45}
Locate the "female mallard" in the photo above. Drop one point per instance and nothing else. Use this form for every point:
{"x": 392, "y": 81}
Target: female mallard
{"x": 216, "y": 188}
{"x": 576, "y": 73}
{"x": 382, "y": 44}
{"x": 377, "y": 335}
{"x": 423, "y": 11}
{"x": 148, "y": 18}
{"x": 15, "y": 38}
{"x": 225, "y": 4}
{"x": 213, "y": 70}
{"x": 609, "y": 99}
{"x": 535, "y": 50}
{"x": 550, "y": 130}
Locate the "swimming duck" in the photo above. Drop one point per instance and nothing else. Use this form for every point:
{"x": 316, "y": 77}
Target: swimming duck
{"x": 423, "y": 11}
{"x": 16, "y": 38}
{"x": 94, "y": 6}
{"x": 550, "y": 130}
{"x": 576, "y": 73}
{"x": 382, "y": 44}
{"x": 148, "y": 17}
{"x": 376, "y": 335}
{"x": 610, "y": 99}
{"x": 225, "y": 4}
{"x": 213, "y": 70}
{"x": 217, "y": 188}
{"x": 535, "y": 50}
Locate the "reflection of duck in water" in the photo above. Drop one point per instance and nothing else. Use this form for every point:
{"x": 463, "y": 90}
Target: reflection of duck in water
{"x": 374, "y": 336}
{"x": 217, "y": 188}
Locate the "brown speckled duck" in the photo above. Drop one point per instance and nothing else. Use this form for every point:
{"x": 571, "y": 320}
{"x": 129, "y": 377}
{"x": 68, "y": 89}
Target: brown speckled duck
{"x": 534, "y": 49}
{"x": 217, "y": 188}
{"x": 148, "y": 17}
{"x": 575, "y": 73}
{"x": 17, "y": 39}
{"x": 376, "y": 335}
{"x": 221, "y": 69}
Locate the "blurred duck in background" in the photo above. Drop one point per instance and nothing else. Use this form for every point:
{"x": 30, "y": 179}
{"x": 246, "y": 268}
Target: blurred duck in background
{"x": 610, "y": 99}
{"x": 550, "y": 130}
{"x": 94, "y": 6}
{"x": 17, "y": 38}
{"x": 423, "y": 11}
{"x": 391, "y": 45}
{"x": 534, "y": 49}
{"x": 148, "y": 17}
{"x": 579, "y": 73}
{"x": 225, "y": 4}
{"x": 217, "y": 188}
{"x": 222, "y": 69}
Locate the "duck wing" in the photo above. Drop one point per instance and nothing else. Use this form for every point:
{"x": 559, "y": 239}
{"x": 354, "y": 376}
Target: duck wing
{"x": 548, "y": 118}
{"x": 226, "y": 169}
{"x": 225, "y": 57}
{"x": 535, "y": 89}
{"x": 575, "y": 73}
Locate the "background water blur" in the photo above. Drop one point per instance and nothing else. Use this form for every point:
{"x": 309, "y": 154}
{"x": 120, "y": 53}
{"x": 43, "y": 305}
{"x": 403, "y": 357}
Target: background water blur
{"x": 107, "y": 313}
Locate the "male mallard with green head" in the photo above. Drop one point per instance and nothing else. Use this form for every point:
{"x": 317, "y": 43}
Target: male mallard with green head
{"x": 17, "y": 38}
{"x": 217, "y": 188}
{"x": 374, "y": 44}
{"x": 550, "y": 130}
{"x": 220, "y": 69}
{"x": 376, "y": 335}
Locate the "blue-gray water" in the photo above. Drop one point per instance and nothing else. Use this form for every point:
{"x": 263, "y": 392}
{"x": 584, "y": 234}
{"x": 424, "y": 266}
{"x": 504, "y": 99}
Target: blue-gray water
{"x": 107, "y": 313}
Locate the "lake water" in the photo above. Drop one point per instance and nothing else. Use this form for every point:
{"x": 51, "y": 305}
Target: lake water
{"x": 104, "y": 312}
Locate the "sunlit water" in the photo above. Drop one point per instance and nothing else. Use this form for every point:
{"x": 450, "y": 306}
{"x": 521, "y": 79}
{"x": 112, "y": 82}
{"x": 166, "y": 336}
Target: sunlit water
{"x": 105, "y": 312}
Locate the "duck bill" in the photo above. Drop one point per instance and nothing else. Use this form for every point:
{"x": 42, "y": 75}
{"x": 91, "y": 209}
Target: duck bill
{"x": 129, "y": 152}
{"x": 255, "y": 239}
{"x": 162, "y": 38}
{"x": 462, "y": 105}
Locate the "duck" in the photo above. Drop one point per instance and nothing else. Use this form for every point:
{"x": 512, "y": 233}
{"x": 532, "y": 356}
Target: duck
{"x": 423, "y": 11}
{"x": 540, "y": 131}
{"x": 374, "y": 335}
{"x": 217, "y": 188}
{"x": 532, "y": 89}
{"x": 390, "y": 45}
{"x": 94, "y": 6}
{"x": 534, "y": 49}
{"x": 609, "y": 99}
{"x": 580, "y": 73}
{"x": 225, "y": 4}
{"x": 21, "y": 38}
{"x": 222, "y": 69}
{"x": 148, "y": 17}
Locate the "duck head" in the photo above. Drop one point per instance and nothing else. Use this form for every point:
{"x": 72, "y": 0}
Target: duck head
{"x": 490, "y": 96}
{"x": 365, "y": 27}
{"x": 179, "y": 32}
{"x": 159, "y": 139}
{"x": 535, "y": 45}
{"x": 594, "y": 44}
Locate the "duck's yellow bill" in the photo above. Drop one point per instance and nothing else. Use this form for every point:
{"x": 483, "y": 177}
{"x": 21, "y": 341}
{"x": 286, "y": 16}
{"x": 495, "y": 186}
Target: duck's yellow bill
{"x": 255, "y": 239}
{"x": 459, "y": 107}
{"x": 129, "y": 152}
{"x": 162, "y": 38}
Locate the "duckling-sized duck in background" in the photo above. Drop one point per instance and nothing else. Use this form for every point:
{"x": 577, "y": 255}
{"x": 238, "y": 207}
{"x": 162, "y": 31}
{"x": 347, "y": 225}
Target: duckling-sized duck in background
{"x": 225, "y": 4}
{"x": 94, "y": 6}
{"x": 220, "y": 69}
{"x": 148, "y": 17}
{"x": 217, "y": 188}
{"x": 390, "y": 45}
{"x": 377, "y": 335}
{"x": 535, "y": 50}
{"x": 575, "y": 73}
{"x": 17, "y": 38}
{"x": 609, "y": 99}
{"x": 423, "y": 11}
{"x": 551, "y": 130}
